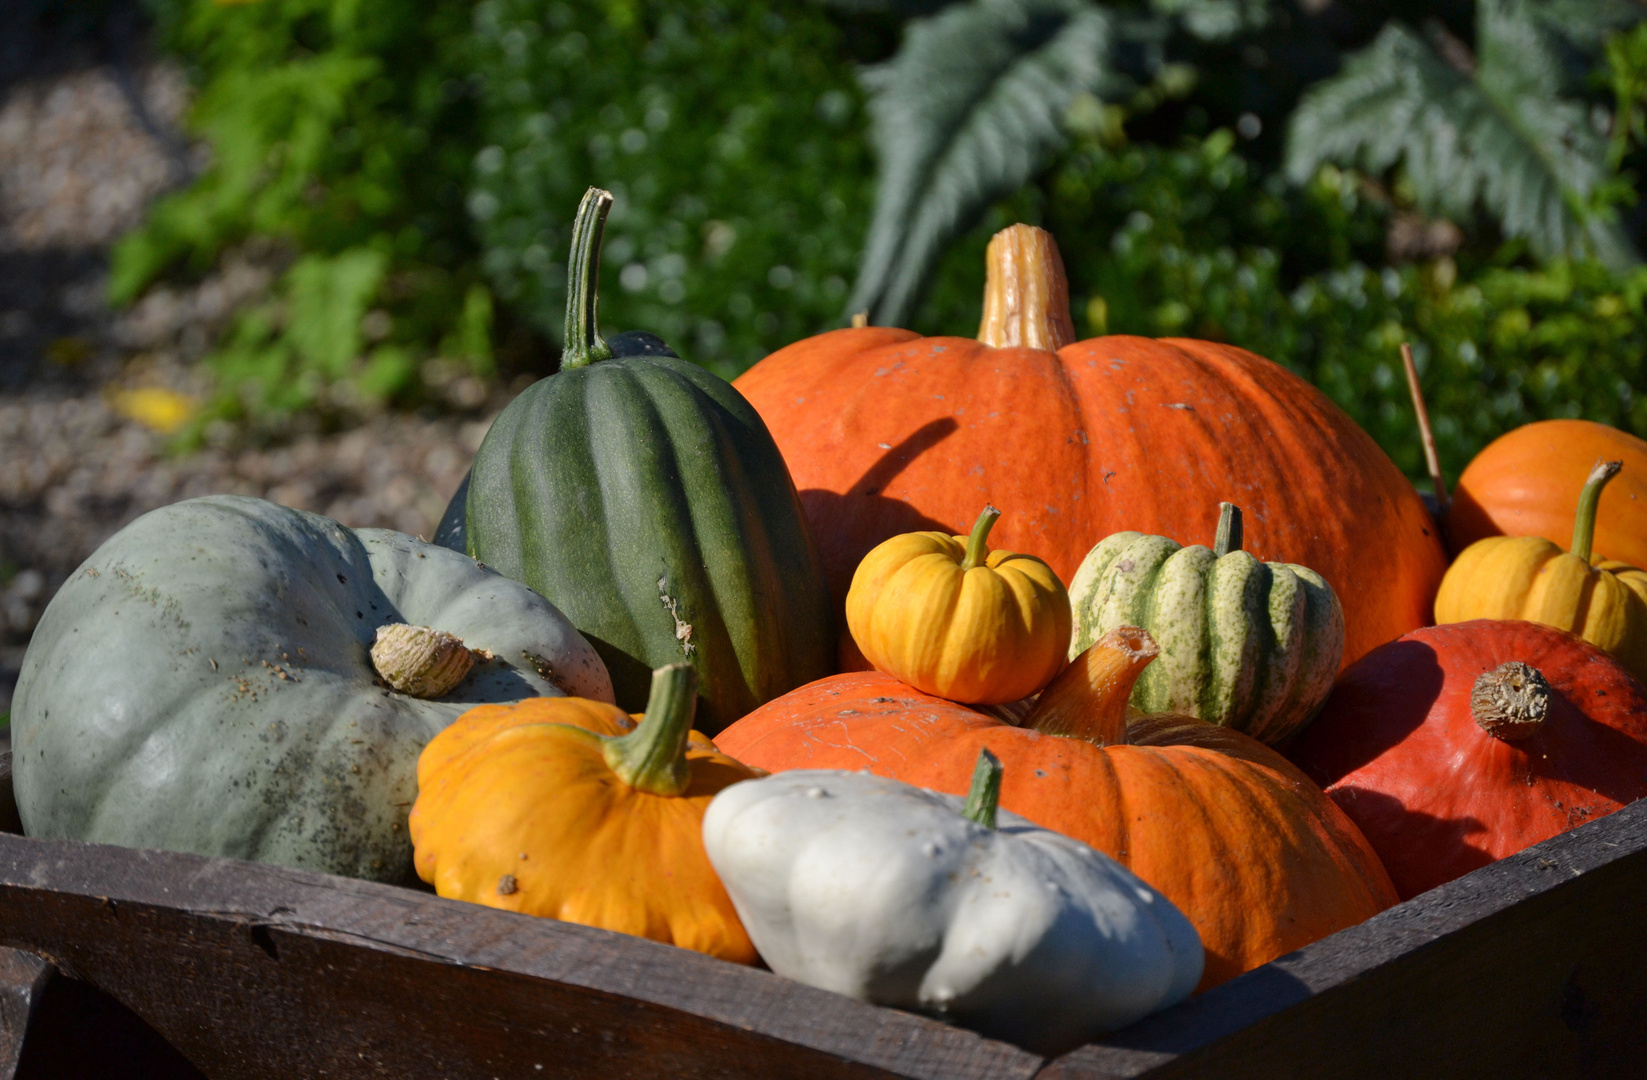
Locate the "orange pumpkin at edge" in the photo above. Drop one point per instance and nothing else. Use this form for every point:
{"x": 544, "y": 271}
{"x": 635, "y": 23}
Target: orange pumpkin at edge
{"x": 1521, "y": 484}
{"x": 1234, "y": 835}
{"x": 886, "y": 432}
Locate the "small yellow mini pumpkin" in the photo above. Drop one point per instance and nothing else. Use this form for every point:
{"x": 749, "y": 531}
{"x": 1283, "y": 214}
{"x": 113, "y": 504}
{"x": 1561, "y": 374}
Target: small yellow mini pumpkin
{"x": 948, "y": 616}
{"x": 1528, "y": 577}
{"x": 548, "y": 811}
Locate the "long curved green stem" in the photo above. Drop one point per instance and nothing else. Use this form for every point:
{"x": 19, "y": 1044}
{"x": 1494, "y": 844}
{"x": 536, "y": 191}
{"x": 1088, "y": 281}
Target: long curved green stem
{"x": 584, "y": 344}
{"x": 652, "y": 758}
{"x": 1228, "y": 538}
{"x": 977, "y": 549}
{"x": 1584, "y": 521}
{"x": 985, "y": 796}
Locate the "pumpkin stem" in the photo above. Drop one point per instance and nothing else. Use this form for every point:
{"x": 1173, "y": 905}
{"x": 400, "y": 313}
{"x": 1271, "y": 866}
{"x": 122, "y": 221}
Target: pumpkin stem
{"x": 1510, "y": 702}
{"x": 1089, "y": 699}
{"x": 977, "y": 550}
{"x": 420, "y": 661}
{"x": 1584, "y": 521}
{"x": 985, "y": 796}
{"x": 584, "y": 344}
{"x": 1026, "y": 296}
{"x": 652, "y": 758}
{"x": 1228, "y": 538}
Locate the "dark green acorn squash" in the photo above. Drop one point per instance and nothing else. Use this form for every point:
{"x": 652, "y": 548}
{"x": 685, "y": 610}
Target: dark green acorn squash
{"x": 645, "y": 498}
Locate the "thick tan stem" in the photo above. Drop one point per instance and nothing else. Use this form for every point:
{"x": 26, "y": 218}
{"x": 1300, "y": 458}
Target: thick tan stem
{"x": 1089, "y": 700}
{"x": 420, "y": 661}
{"x": 1026, "y": 298}
{"x": 1510, "y": 702}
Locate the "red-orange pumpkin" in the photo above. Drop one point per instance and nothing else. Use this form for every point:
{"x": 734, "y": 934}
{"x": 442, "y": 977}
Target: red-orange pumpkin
{"x": 886, "y": 432}
{"x": 1523, "y": 484}
{"x": 1234, "y": 835}
{"x": 1402, "y": 749}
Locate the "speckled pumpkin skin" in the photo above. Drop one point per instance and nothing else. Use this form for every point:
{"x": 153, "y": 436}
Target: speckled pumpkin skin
{"x": 203, "y": 683}
{"x": 1250, "y": 645}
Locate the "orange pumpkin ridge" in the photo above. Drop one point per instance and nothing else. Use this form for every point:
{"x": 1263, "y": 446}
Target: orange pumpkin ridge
{"x": 886, "y": 432}
{"x": 1239, "y": 839}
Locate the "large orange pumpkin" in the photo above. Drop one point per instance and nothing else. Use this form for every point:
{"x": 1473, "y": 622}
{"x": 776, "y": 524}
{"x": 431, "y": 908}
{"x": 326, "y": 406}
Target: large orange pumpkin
{"x": 1522, "y": 485}
{"x": 1234, "y": 835}
{"x": 887, "y": 432}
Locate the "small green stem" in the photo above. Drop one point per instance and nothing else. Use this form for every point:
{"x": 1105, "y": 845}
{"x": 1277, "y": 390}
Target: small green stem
{"x": 976, "y": 549}
{"x": 985, "y": 796}
{"x": 584, "y": 345}
{"x": 1229, "y": 530}
{"x": 1584, "y": 522}
{"x": 652, "y": 758}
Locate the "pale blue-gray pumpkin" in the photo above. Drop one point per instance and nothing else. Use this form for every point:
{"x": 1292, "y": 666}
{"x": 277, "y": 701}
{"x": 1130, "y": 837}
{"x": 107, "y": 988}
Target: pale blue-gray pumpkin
{"x": 1247, "y": 644}
{"x": 204, "y": 682}
{"x": 646, "y": 499}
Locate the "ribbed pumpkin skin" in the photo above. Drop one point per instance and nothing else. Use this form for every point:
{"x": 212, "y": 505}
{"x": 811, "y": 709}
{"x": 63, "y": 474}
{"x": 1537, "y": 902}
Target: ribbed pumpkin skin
{"x": 646, "y": 499}
{"x": 1246, "y": 644}
{"x": 1526, "y": 483}
{"x": 1398, "y": 749}
{"x": 886, "y": 432}
{"x": 1232, "y": 833}
{"x": 1528, "y": 577}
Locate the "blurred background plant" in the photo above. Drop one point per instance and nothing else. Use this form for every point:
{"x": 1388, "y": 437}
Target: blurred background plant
{"x": 1316, "y": 180}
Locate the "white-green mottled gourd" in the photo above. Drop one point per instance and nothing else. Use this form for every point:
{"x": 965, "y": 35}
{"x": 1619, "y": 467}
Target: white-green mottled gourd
{"x": 204, "y": 683}
{"x": 1251, "y": 645}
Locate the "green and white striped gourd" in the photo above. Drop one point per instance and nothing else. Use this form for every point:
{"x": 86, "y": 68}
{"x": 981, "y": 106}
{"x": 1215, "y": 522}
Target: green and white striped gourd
{"x": 1247, "y": 644}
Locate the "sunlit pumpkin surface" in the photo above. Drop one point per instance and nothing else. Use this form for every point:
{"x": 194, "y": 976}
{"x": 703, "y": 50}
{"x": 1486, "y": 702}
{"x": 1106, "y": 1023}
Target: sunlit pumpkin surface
{"x": 1236, "y": 837}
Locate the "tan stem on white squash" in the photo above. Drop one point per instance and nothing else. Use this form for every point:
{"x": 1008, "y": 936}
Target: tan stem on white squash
{"x": 1089, "y": 699}
{"x": 419, "y": 660}
{"x": 1510, "y": 702}
{"x": 1026, "y": 296}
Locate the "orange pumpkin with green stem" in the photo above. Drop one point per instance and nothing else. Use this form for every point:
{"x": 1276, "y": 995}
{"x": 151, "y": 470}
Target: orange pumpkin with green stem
{"x": 1240, "y": 840}
{"x": 887, "y": 432}
{"x": 558, "y": 820}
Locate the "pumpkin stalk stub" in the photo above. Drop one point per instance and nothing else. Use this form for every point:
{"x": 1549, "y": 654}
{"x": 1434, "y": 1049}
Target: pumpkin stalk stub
{"x": 1089, "y": 699}
{"x": 977, "y": 549}
{"x": 652, "y": 758}
{"x": 1510, "y": 702}
{"x": 1584, "y": 521}
{"x": 420, "y": 661}
{"x": 584, "y": 345}
{"x": 1026, "y": 295}
{"x": 1229, "y": 537}
{"x": 985, "y": 797}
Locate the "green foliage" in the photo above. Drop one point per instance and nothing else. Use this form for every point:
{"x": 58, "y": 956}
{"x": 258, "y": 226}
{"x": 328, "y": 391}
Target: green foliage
{"x": 1508, "y": 133}
{"x": 1195, "y": 241}
{"x": 730, "y": 134}
{"x": 342, "y": 130}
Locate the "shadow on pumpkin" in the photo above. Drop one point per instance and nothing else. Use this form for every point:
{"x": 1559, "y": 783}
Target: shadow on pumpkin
{"x": 848, "y": 524}
{"x": 1396, "y": 686}
{"x": 1419, "y": 850}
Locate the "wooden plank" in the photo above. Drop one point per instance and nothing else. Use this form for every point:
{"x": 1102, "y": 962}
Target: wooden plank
{"x": 79, "y": 1031}
{"x": 23, "y": 976}
{"x": 261, "y": 971}
{"x": 1534, "y": 966}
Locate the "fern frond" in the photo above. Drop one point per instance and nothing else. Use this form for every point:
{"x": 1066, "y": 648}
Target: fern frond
{"x": 1504, "y": 136}
{"x": 969, "y": 109}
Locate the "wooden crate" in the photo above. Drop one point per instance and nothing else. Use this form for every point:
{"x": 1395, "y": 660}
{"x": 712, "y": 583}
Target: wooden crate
{"x": 120, "y": 962}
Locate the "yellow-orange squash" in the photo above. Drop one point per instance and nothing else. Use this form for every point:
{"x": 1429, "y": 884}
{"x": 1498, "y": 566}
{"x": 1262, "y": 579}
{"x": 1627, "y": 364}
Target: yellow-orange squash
{"x": 1235, "y": 836}
{"x": 548, "y": 810}
{"x": 948, "y": 616}
{"x": 1529, "y": 577}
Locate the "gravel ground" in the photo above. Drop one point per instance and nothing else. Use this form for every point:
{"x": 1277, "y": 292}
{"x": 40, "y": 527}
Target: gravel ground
{"x": 89, "y": 135}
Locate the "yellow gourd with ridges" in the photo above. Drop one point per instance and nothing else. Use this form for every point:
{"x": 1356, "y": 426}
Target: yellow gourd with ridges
{"x": 1528, "y": 577}
{"x": 561, "y": 819}
{"x": 948, "y": 616}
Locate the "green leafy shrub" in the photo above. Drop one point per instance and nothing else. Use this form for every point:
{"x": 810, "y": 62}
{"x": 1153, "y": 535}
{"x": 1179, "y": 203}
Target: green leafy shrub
{"x": 732, "y": 136}
{"x": 345, "y": 132}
